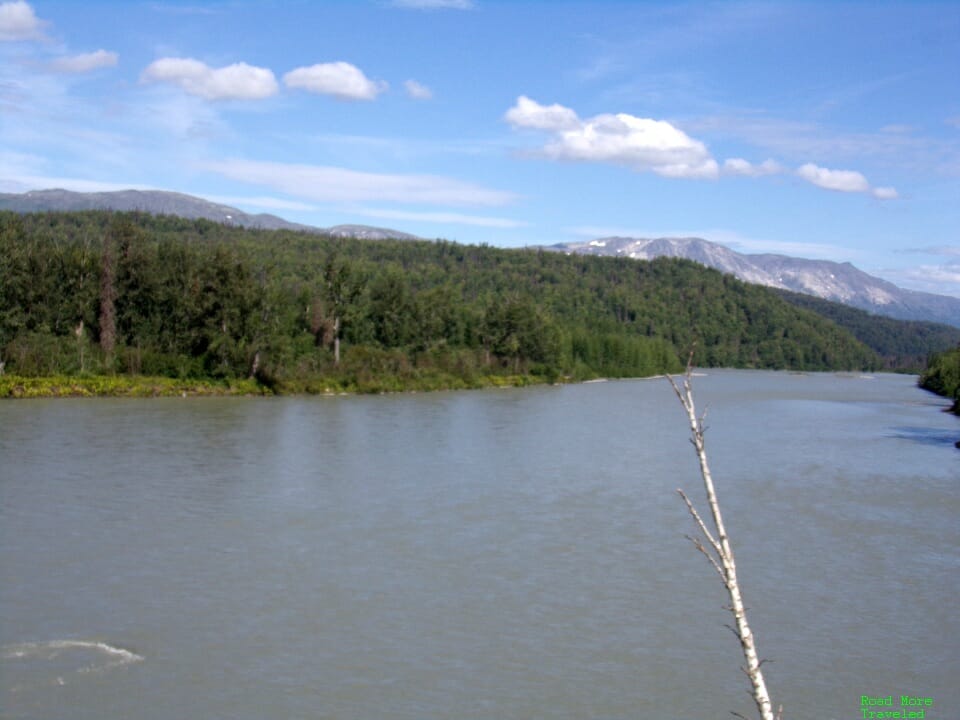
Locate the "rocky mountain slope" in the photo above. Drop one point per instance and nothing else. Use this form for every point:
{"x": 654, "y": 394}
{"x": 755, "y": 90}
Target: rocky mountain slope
{"x": 839, "y": 282}
{"x": 157, "y": 202}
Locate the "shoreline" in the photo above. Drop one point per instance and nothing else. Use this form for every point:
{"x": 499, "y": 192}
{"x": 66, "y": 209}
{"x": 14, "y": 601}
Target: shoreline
{"x": 16, "y": 387}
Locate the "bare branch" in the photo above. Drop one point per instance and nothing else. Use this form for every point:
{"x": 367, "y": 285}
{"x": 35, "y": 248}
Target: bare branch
{"x": 721, "y": 545}
{"x": 699, "y": 546}
{"x": 703, "y": 527}
{"x": 735, "y": 634}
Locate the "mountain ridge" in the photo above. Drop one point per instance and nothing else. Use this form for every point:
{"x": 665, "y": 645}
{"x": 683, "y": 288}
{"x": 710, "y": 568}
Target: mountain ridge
{"x": 826, "y": 279}
{"x": 165, "y": 202}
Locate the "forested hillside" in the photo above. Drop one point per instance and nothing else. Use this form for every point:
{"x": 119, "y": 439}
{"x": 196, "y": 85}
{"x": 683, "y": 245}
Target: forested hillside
{"x": 103, "y": 293}
{"x": 904, "y": 345}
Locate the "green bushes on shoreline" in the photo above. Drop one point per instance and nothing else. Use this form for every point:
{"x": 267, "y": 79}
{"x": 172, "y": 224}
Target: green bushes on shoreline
{"x": 942, "y": 376}
{"x": 141, "y": 386}
{"x": 15, "y": 386}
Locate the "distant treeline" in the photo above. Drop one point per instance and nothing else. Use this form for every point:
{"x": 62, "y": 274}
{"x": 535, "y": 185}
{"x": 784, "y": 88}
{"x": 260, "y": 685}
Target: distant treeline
{"x": 103, "y": 293}
{"x": 904, "y": 345}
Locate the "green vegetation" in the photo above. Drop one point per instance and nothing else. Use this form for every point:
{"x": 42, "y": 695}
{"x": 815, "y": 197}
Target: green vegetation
{"x": 102, "y": 295}
{"x": 942, "y": 376}
{"x": 903, "y": 345}
{"x": 14, "y": 386}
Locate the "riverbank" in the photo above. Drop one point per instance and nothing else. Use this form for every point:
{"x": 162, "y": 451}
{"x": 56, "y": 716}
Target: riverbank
{"x": 138, "y": 386}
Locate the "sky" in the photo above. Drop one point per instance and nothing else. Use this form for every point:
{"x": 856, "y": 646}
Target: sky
{"x": 827, "y": 130}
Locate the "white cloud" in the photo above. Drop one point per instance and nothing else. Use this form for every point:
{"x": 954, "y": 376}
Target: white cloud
{"x": 622, "y": 139}
{"x": 431, "y": 217}
{"x": 19, "y": 22}
{"x": 418, "y": 91}
{"x": 323, "y": 183}
{"x": 800, "y": 141}
{"x": 434, "y": 4}
{"x": 843, "y": 181}
{"x": 840, "y": 180}
{"x": 233, "y": 82}
{"x": 340, "y": 79}
{"x": 85, "y": 62}
{"x": 739, "y": 166}
{"x": 528, "y": 113}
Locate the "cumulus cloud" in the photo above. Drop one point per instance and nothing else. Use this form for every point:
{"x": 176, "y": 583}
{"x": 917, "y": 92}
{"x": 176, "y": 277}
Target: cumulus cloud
{"x": 233, "y": 82}
{"x": 340, "y": 79}
{"x": 528, "y": 113}
{"x": 739, "y": 166}
{"x": 417, "y": 91}
{"x": 85, "y": 62}
{"x": 640, "y": 143}
{"x": 323, "y": 183}
{"x": 19, "y": 22}
{"x": 840, "y": 180}
{"x": 843, "y": 181}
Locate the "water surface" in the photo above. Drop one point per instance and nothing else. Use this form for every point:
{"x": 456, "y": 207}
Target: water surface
{"x": 474, "y": 555}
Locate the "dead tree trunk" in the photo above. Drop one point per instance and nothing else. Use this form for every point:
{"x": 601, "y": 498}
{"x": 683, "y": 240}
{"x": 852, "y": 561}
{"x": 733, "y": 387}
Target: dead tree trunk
{"x": 108, "y": 297}
{"x": 721, "y": 556}
{"x": 336, "y": 341}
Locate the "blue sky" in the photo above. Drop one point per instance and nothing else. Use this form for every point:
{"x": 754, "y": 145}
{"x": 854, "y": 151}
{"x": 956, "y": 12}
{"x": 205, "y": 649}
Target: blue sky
{"x": 818, "y": 129}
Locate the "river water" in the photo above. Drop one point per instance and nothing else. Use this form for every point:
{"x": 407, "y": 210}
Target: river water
{"x": 477, "y": 555}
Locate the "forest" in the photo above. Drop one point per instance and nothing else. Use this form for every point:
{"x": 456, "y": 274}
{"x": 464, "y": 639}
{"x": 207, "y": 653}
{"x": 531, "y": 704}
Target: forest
{"x": 101, "y": 294}
{"x": 904, "y": 345}
{"x": 942, "y": 376}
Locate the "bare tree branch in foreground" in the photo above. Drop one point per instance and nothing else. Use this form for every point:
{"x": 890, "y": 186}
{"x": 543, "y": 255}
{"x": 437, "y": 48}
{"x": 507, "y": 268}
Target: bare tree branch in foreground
{"x": 721, "y": 556}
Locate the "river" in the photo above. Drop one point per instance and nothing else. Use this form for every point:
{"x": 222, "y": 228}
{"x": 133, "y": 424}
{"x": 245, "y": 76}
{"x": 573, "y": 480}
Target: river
{"x": 477, "y": 555}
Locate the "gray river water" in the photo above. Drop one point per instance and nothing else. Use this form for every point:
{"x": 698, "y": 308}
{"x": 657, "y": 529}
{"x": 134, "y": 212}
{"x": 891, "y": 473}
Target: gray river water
{"x": 474, "y": 555}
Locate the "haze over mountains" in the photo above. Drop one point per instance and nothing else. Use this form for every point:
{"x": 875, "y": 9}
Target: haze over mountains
{"x": 839, "y": 282}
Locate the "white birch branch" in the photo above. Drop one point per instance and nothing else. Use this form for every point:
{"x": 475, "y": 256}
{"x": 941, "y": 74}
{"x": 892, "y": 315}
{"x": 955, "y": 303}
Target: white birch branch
{"x": 725, "y": 552}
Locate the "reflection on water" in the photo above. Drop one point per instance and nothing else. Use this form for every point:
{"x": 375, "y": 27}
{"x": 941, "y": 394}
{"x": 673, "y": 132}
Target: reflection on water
{"x": 927, "y": 435}
{"x": 501, "y": 554}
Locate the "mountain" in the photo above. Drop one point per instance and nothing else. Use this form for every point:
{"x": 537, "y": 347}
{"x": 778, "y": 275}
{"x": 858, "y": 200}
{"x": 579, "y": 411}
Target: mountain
{"x": 158, "y": 202}
{"x": 365, "y": 232}
{"x": 839, "y": 282}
